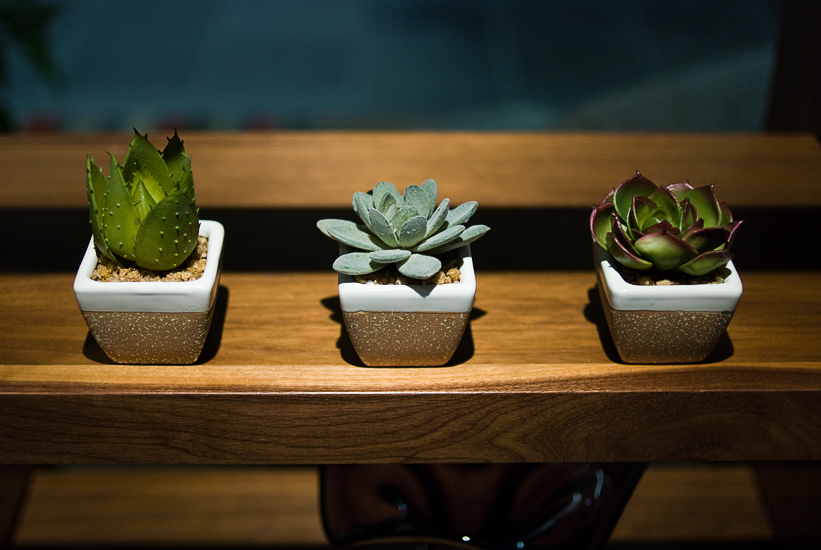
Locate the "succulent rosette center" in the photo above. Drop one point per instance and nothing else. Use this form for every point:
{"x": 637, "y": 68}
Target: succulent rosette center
{"x": 670, "y": 227}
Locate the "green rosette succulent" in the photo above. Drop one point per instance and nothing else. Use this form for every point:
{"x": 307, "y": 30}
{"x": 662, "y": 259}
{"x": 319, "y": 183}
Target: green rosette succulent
{"x": 672, "y": 227}
{"x": 144, "y": 213}
{"x": 407, "y": 230}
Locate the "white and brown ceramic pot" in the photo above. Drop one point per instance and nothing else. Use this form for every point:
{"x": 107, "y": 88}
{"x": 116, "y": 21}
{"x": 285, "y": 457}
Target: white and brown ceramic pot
{"x": 665, "y": 324}
{"x": 152, "y": 322}
{"x": 408, "y": 325}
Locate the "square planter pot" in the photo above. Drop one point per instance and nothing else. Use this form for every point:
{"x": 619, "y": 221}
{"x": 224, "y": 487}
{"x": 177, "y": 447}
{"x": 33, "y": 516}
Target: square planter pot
{"x": 151, "y": 322}
{"x": 665, "y": 324}
{"x": 408, "y": 325}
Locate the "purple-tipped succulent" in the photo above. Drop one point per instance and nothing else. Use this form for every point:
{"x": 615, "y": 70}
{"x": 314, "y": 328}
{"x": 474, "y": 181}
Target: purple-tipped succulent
{"x": 672, "y": 227}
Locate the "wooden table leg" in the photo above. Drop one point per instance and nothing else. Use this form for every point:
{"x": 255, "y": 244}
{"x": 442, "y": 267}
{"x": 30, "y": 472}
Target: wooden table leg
{"x": 13, "y": 487}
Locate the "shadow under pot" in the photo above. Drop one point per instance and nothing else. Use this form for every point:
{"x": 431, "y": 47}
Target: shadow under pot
{"x": 152, "y": 322}
{"x": 665, "y": 324}
{"x": 408, "y": 325}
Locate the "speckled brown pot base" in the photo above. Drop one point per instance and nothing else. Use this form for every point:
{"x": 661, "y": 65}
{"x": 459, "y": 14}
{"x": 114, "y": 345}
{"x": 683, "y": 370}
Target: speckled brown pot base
{"x": 150, "y": 338}
{"x": 664, "y": 336}
{"x": 396, "y": 338}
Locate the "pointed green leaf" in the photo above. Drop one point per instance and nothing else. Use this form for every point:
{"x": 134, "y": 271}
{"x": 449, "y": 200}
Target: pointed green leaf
{"x": 144, "y": 158}
{"x": 664, "y": 250}
{"x": 389, "y": 256}
{"x": 412, "y": 231}
{"x": 462, "y": 213}
{"x": 623, "y": 196}
{"x": 680, "y": 190}
{"x": 175, "y": 157}
{"x": 419, "y": 266}
{"x": 168, "y": 234}
{"x": 420, "y": 199}
{"x": 382, "y": 228}
{"x": 624, "y": 256}
{"x": 386, "y": 201}
{"x": 356, "y": 263}
{"x": 668, "y": 205}
{"x": 641, "y": 209}
{"x": 143, "y": 201}
{"x": 689, "y": 214}
{"x": 726, "y": 215}
{"x": 705, "y": 263}
{"x": 96, "y": 185}
{"x": 446, "y": 236}
{"x": 120, "y": 219}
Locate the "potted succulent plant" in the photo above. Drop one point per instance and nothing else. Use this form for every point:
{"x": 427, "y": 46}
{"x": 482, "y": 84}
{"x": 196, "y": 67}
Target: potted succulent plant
{"x": 665, "y": 273}
{"x": 148, "y": 281}
{"x": 397, "y": 272}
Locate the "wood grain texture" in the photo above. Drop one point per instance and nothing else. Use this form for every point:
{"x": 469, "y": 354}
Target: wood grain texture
{"x": 323, "y": 169}
{"x": 535, "y": 380}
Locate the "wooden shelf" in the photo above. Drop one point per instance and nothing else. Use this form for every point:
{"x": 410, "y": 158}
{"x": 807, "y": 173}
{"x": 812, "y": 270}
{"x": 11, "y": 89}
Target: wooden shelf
{"x": 535, "y": 379}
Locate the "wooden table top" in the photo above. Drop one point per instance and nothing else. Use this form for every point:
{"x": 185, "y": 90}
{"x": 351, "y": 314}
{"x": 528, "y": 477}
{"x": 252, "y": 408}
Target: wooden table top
{"x": 535, "y": 379}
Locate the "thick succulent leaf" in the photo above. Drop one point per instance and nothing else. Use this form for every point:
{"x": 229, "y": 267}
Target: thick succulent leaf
{"x": 689, "y": 214}
{"x": 437, "y": 219}
{"x": 663, "y": 225}
{"x": 618, "y": 232}
{"x": 412, "y": 231}
{"x": 608, "y": 198}
{"x": 623, "y": 196}
{"x": 382, "y": 228}
{"x": 726, "y": 215}
{"x": 640, "y": 211}
{"x": 431, "y": 189}
{"x": 624, "y": 256}
{"x": 664, "y": 250}
{"x": 143, "y": 201}
{"x": 356, "y": 263}
{"x": 386, "y": 202}
{"x": 402, "y": 215}
{"x": 363, "y": 202}
{"x": 326, "y": 224}
{"x": 186, "y": 184}
{"x": 466, "y": 237}
{"x": 420, "y": 199}
{"x": 175, "y": 157}
{"x": 168, "y": 234}
{"x": 600, "y": 222}
{"x": 419, "y": 266}
{"x": 680, "y": 190}
{"x": 382, "y": 188}
{"x": 732, "y": 227}
{"x": 390, "y": 256}
{"x": 707, "y": 239}
{"x": 145, "y": 158}
{"x": 391, "y": 213}
{"x": 668, "y": 204}
{"x": 354, "y": 237}
{"x": 446, "y": 236}
{"x": 699, "y": 224}
{"x": 704, "y": 199}
{"x": 96, "y": 185}
{"x": 120, "y": 219}
{"x": 705, "y": 263}
{"x": 462, "y": 213}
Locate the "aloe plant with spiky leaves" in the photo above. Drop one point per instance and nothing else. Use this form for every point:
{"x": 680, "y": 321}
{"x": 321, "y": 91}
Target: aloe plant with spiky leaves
{"x": 408, "y": 230}
{"x": 144, "y": 212}
{"x": 670, "y": 227}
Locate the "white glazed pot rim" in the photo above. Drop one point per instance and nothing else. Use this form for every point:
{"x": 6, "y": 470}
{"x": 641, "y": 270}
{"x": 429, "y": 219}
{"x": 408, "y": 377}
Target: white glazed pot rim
{"x": 450, "y": 298}
{"x": 155, "y": 296}
{"x": 624, "y": 296}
